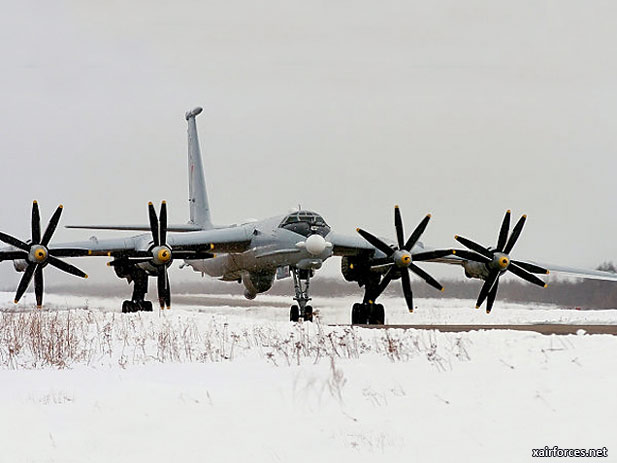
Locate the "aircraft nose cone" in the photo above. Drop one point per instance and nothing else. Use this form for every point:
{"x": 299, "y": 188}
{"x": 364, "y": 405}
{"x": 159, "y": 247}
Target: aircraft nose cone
{"x": 315, "y": 245}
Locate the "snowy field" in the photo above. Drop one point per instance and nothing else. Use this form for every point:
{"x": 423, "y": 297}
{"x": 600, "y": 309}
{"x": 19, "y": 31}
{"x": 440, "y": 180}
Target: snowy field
{"x": 219, "y": 378}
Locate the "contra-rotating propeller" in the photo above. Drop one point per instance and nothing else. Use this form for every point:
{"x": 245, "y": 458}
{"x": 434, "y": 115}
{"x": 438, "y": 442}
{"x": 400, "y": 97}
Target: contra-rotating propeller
{"x": 38, "y": 256}
{"x": 401, "y": 259}
{"x": 497, "y": 261}
{"x": 160, "y": 256}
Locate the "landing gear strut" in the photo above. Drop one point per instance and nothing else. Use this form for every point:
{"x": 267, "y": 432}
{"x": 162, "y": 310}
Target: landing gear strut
{"x": 302, "y": 280}
{"x": 140, "y": 288}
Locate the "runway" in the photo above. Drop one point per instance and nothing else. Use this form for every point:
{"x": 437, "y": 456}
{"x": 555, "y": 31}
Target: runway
{"x": 548, "y": 328}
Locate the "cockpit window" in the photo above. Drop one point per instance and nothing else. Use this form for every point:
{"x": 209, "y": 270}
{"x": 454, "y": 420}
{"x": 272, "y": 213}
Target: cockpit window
{"x": 305, "y": 223}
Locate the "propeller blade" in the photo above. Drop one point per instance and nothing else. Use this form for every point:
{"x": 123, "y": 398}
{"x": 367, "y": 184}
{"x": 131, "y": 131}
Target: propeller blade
{"x": 383, "y": 284}
{"x": 189, "y": 255}
{"x": 139, "y": 260}
{"x": 474, "y": 246}
{"x": 25, "y": 281}
{"x": 407, "y": 289}
{"x": 430, "y": 255}
{"x": 470, "y": 255}
{"x": 516, "y": 232}
{"x": 140, "y": 254}
{"x": 8, "y": 239}
{"x": 486, "y": 287}
{"x": 154, "y": 224}
{"x": 36, "y": 223}
{"x": 51, "y": 226}
{"x": 425, "y": 276}
{"x": 38, "y": 286}
{"x": 525, "y": 275}
{"x": 398, "y": 225}
{"x": 65, "y": 267}
{"x": 167, "y": 291}
{"x": 533, "y": 268}
{"x": 69, "y": 252}
{"x": 415, "y": 236}
{"x": 383, "y": 247}
{"x": 13, "y": 255}
{"x": 161, "y": 286}
{"x": 163, "y": 223}
{"x": 491, "y": 297}
{"x": 503, "y": 233}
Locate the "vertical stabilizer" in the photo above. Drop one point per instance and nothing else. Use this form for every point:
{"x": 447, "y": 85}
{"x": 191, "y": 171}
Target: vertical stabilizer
{"x": 198, "y": 198}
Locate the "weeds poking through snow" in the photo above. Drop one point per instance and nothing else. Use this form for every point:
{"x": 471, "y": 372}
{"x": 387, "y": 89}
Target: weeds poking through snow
{"x": 83, "y": 337}
{"x": 337, "y": 381}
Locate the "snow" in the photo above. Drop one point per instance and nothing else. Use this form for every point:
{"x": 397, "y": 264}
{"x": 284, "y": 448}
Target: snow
{"x": 220, "y": 382}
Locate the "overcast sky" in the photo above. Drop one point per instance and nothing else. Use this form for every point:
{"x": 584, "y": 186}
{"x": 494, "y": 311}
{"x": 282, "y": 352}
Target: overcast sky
{"x": 461, "y": 109}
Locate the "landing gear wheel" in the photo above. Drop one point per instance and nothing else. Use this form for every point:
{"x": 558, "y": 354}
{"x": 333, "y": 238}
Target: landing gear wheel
{"x": 294, "y": 313}
{"x": 128, "y": 307}
{"x": 308, "y": 313}
{"x": 355, "y": 312}
{"x": 377, "y": 315}
{"x": 359, "y": 314}
{"x": 146, "y": 306}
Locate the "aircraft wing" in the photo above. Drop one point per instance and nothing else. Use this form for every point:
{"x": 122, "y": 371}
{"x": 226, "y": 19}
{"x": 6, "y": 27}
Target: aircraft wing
{"x": 346, "y": 245}
{"x": 235, "y": 239}
{"x": 578, "y": 272}
{"x": 188, "y": 227}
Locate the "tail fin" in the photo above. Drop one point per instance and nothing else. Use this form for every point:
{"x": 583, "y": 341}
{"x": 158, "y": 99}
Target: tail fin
{"x": 198, "y": 197}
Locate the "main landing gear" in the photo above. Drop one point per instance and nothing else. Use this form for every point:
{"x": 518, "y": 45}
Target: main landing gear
{"x": 302, "y": 310}
{"x": 140, "y": 288}
{"x": 369, "y": 313}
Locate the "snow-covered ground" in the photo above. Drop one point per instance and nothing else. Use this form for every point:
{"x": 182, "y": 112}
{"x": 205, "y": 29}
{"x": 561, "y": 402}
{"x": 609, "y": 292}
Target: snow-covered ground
{"x": 223, "y": 379}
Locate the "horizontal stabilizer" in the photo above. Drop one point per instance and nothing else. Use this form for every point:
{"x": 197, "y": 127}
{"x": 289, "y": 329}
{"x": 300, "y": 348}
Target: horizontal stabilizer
{"x": 189, "y": 227}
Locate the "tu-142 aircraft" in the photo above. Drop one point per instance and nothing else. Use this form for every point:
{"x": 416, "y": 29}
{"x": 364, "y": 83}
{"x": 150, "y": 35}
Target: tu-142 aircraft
{"x": 253, "y": 253}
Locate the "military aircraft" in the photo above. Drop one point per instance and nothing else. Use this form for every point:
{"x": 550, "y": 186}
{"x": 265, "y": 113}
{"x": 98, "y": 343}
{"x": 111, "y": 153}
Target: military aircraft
{"x": 255, "y": 253}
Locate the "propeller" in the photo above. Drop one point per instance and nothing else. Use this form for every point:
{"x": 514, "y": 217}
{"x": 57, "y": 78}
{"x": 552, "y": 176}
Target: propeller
{"x": 400, "y": 259}
{"x": 497, "y": 261}
{"x": 37, "y": 254}
{"x": 160, "y": 256}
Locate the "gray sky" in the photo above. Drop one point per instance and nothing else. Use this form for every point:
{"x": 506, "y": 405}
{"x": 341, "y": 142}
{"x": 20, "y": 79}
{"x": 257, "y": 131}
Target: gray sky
{"x": 461, "y": 109}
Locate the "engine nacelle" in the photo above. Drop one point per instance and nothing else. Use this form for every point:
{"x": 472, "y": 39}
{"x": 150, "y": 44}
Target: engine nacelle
{"x": 359, "y": 270}
{"x": 475, "y": 270}
{"x": 20, "y": 265}
{"x": 349, "y": 269}
{"x": 258, "y": 282}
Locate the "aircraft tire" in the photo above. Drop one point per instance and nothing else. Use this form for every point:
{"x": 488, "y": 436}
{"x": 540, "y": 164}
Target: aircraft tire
{"x": 377, "y": 315}
{"x": 308, "y": 313}
{"x": 128, "y": 307}
{"x": 358, "y": 314}
{"x": 145, "y": 306}
{"x": 294, "y": 313}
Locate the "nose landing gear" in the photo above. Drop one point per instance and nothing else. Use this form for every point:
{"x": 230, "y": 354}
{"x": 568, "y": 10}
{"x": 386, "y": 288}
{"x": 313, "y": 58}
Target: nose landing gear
{"x": 302, "y": 310}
